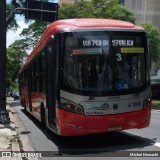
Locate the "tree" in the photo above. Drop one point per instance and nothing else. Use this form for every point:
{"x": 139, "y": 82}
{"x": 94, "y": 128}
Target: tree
{"x": 14, "y": 61}
{"x": 21, "y": 46}
{"x": 112, "y": 9}
{"x": 97, "y": 9}
{"x": 153, "y": 35}
{"x": 82, "y": 9}
{"x": 11, "y": 23}
{"x": 31, "y": 36}
{"x": 17, "y": 51}
{"x": 33, "y": 32}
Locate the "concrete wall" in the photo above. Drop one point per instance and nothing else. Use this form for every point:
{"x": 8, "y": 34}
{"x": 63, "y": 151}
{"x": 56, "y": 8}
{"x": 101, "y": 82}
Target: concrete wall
{"x": 145, "y": 10}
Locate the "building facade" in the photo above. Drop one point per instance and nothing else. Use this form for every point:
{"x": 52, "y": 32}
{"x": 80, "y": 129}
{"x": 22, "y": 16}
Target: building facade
{"x": 145, "y": 10}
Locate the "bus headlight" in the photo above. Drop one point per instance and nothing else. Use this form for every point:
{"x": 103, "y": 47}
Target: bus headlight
{"x": 70, "y": 106}
{"x": 147, "y": 102}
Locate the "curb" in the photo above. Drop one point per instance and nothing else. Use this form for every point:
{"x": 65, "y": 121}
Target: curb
{"x": 13, "y": 135}
{"x": 156, "y": 110}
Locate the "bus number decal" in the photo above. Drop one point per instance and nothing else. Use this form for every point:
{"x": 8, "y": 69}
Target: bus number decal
{"x": 136, "y": 104}
{"x": 119, "y": 57}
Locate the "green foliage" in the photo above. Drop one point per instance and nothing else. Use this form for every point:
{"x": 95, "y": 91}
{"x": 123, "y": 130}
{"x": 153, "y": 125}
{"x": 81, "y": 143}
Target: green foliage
{"x": 102, "y": 8}
{"x": 153, "y": 35}
{"x": 14, "y": 61}
{"x": 82, "y": 9}
{"x": 12, "y": 23}
{"x": 112, "y": 9}
{"x": 97, "y": 9}
{"x": 20, "y": 46}
{"x": 121, "y": 13}
{"x": 32, "y": 34}
{"x": 34, "y": 30}
{"x": 156, "y": 104}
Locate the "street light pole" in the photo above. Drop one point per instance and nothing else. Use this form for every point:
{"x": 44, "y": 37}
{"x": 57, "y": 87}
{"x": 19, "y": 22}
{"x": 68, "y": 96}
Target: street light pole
{"x": 3, "y": 112}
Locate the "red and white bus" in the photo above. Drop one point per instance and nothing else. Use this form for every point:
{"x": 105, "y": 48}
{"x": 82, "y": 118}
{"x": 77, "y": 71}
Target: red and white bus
{"x": 88, "y": 76}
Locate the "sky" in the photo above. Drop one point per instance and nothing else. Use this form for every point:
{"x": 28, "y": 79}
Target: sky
{"x": 54, "y": 1}
{"x": 15, "y": 35}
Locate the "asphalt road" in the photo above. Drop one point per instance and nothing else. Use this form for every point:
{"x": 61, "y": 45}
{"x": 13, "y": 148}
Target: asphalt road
{"x": 108, "y": 146}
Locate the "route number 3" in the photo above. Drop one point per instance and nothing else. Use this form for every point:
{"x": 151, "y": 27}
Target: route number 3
{"x": 119, "y": 57}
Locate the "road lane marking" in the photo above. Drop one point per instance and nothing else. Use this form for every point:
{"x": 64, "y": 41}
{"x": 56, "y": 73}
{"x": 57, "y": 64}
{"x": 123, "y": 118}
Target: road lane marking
{"x": 154, "y": 110}
{"x": 157, "y": 144}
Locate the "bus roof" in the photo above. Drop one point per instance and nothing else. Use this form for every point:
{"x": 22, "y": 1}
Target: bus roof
{"x": 70, "y": 24}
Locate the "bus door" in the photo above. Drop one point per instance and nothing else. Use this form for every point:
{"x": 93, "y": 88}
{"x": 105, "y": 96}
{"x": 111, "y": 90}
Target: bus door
{"x": 52, "y": 76}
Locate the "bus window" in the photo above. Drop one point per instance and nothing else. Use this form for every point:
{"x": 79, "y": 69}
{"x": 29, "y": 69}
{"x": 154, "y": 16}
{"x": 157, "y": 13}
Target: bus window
{"x": 41, "y": 73}
{"x": 43, "y": 62}
{"x": 129, "y": 54}
{"x": 86, "y": 64}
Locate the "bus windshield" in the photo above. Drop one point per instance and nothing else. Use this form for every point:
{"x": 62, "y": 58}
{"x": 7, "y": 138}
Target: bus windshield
{"x": 130, "y": 60}
{"x": 100, "y": 63}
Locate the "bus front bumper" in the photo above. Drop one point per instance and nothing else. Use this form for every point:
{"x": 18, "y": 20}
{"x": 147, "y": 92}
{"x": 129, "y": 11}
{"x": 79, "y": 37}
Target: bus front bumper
{"x": 71, "y": 124}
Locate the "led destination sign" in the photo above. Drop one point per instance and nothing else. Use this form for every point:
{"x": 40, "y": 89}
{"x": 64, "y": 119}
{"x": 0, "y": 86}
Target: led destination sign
{"x": 123, "y": 42}
{"x": 103, "y": 43}
{"x": 132, "y": 50}
{"x": 86, "y": 51}
{"x": 95, "y": 43}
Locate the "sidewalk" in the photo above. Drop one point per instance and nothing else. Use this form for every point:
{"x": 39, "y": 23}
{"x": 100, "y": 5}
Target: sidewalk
{"x": 8, "y": 139}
